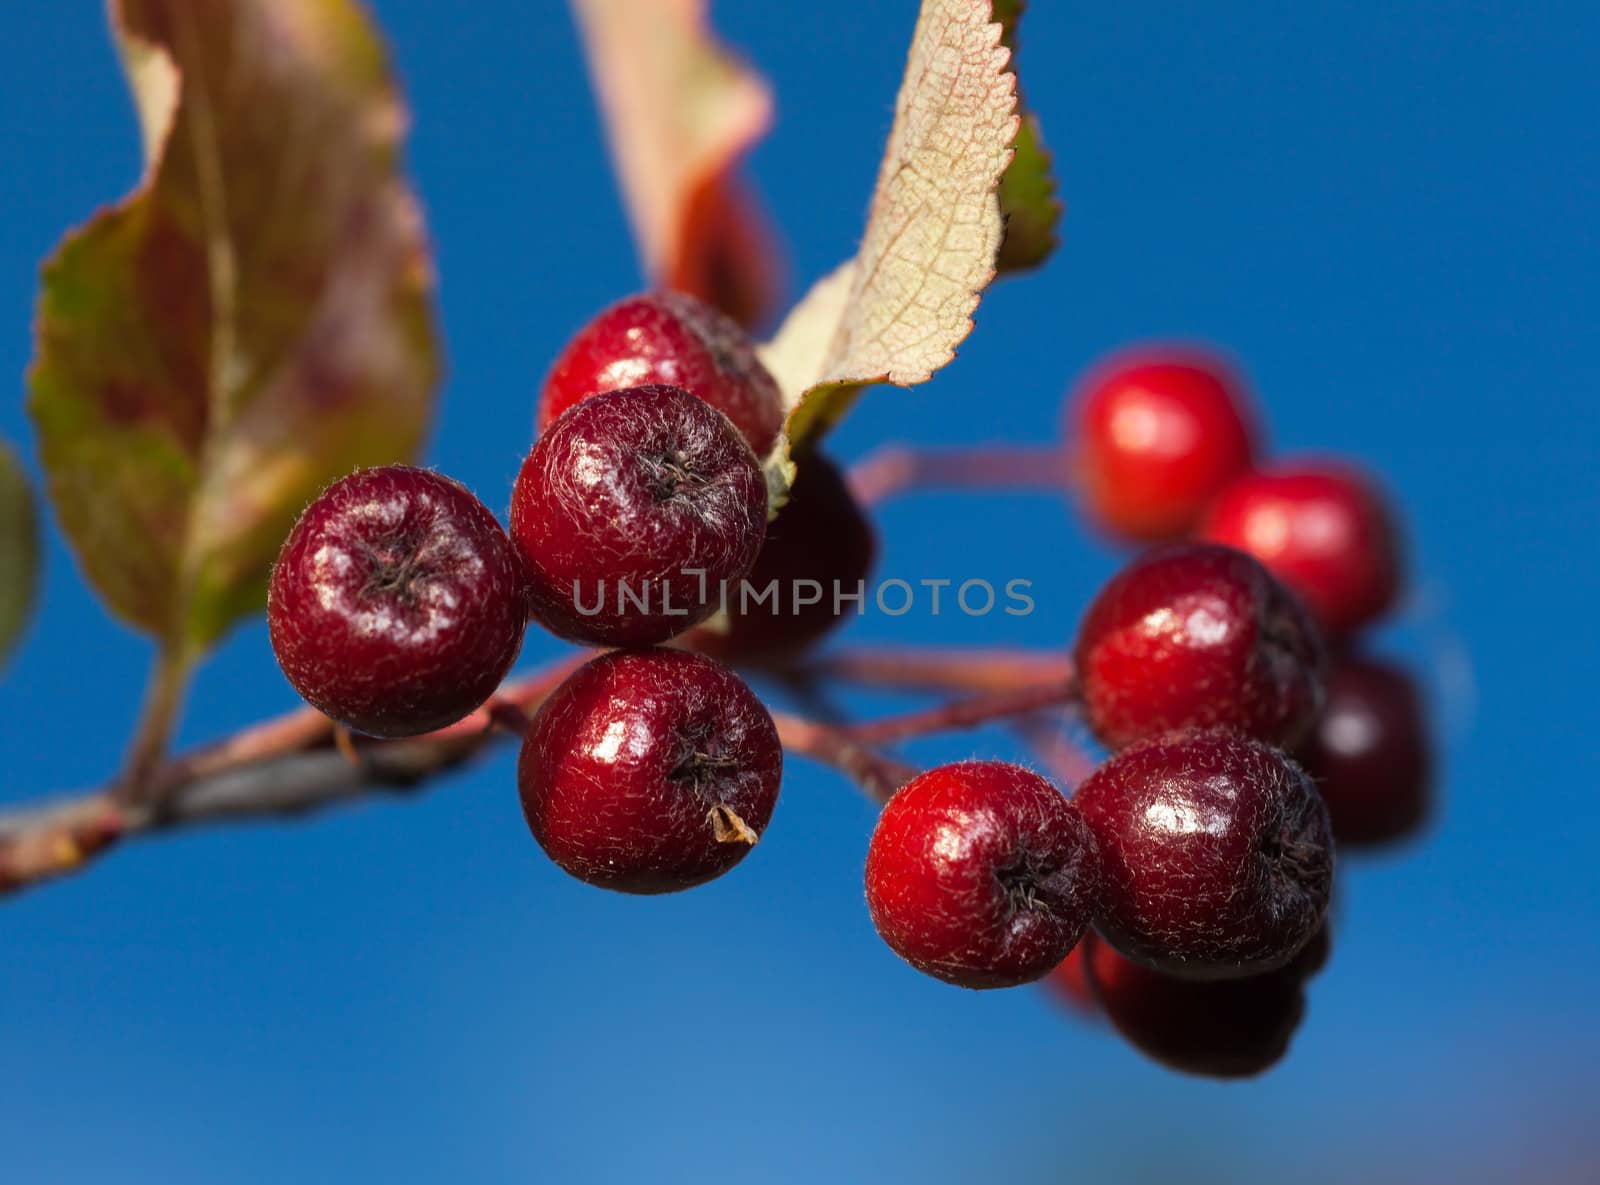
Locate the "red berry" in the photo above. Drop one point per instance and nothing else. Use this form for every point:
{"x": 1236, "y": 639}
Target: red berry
{"x": 632, "y": 511}
{"x": 649, "y": 771}
{"x": 1157, "y": 433}
{"x": 1217, "y": 854}
{"x": 1234, "y": 1028}
{"x": 1370, "y": 755}
{"x": 820, "y": 546}
{"x": 1196, "y": 635}
{"x": 1069, "y": 982}
{"x": 669, "y": 339}
{"x": 981, "y": 874}
{"x": 1324, "y": 529}
{"x": 396, "y": 606}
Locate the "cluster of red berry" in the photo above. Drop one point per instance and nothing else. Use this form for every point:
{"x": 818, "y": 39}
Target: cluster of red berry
{"x": 1200, "y": 853}
{"x": 1223, "y": 631}
{"x": 398, "y": 603}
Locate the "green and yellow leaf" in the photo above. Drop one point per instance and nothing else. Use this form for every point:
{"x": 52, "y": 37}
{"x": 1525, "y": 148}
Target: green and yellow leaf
{"x": 898, "y": 310}
{"x": 19, "y": 550}
{"x": 253, "y": 321}
{"x": 1029, "y": 201}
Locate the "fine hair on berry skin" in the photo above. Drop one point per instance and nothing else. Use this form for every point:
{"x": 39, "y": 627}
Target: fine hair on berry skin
{"x": 396, "y": 605}
{"x": 982, "y": 874}
{"x": 671, "y": 339}
{"x": 1217, "y": 854}
{"x": 650, "y": 771}
{"x": 1198, "y": 635}
{"x": 632, "y": 512}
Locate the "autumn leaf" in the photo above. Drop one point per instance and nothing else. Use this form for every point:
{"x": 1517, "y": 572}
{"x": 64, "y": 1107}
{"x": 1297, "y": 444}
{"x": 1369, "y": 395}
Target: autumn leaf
{"x": 19, "y": 550}
{"x": 680, "y": 113}
{"x": 898, "y": 310}
{"x": 252, "y": 322}
{"x": 1029, "y": 201}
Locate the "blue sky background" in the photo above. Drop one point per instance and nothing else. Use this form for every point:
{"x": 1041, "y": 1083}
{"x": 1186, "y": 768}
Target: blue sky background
{"x": 1387, "y": 211}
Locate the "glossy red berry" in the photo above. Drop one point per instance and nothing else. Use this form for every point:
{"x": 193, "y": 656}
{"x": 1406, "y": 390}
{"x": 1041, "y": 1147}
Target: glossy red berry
{"x": 1217, "y": 854}
{"x": 981, "y": 874}
{"x": 1156, "y": 434}
{"x": 649, "y": 771}
{"x": 1197, "y": 635}
{"x": 1324, "y": 529}
{"x": 819, "y": 551}
{"x": 632, "y": 511}
{"x": 396, "y": 606}
{"x": 1370, "y": 755}
{"x": 669, "y": 339}
{"x": 1234, "y": 1028}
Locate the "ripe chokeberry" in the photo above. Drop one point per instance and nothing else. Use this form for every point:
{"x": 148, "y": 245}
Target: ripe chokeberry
{"x": 1324, "y": 529}
{"x": 670, "y": 339}
{"x": 1216, "y": 851}
{"x": 396, "y": 605}
{"x": 632, "y": 511}
{"x": 981, "y": 874}
{"x": 1198, "y": 635}
{"x": 1369, "y": 754}
{"x": 819, "y": 549}
{"x": 1233, "y": 1028}
{"x": 649, "y": 771}
{"x": 1155, "y": 434}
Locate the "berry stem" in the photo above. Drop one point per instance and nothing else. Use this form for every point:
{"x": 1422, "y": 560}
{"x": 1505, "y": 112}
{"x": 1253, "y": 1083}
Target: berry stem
{"x": 291, "y": 765}
{"x": 902, "y": 469}
{"x": 959, "y": 714}
{"x": 976, "y": 672}
{"x": 836, "y": 746}
{"x": 158, "y": 719}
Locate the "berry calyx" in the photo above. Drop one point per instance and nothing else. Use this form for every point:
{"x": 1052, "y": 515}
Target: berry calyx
{"x": 669, "y": 339}
{"x": 1217, "y": 854}
{"x": 632, "y": 511}
{"x": 1196, "y": 635}
{"x": 819, "y": 550}
{"x": 396, "y": 606}
{"x": 981, "y": 874}
{"x": 1234, "y": 1028}
{"x": 650, "y": 771}
{"x": 1324, "y": 529}
{"x": 1156, "y": 433}
{"x": 1370, "y": 755}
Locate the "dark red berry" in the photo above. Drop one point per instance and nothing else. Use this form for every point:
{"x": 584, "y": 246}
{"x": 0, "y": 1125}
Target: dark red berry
{"x": 1196, "y": 635}
{"x": 1234, "y": 1028}
{"x": 670, "y": 339}
{"x": 1216, "y": 851}
{"x": 1157, "y": 433}
{"x": 649, "y": 771}
{"x": 1370, "y": 755}
{"x": 1069, "y": 982}
{"x": 631, "y": 512}
{"x": 981, "y": 874}
{"x": 396, "y": 606}
{"x": 1324, "y": 529}
{"x": 819, "y": 550}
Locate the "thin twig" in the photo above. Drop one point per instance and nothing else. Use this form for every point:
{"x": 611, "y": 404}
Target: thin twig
{"x": 976, "y": 672}
{"x": 295, "y": 764}
{"x": 899, "y": 469}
